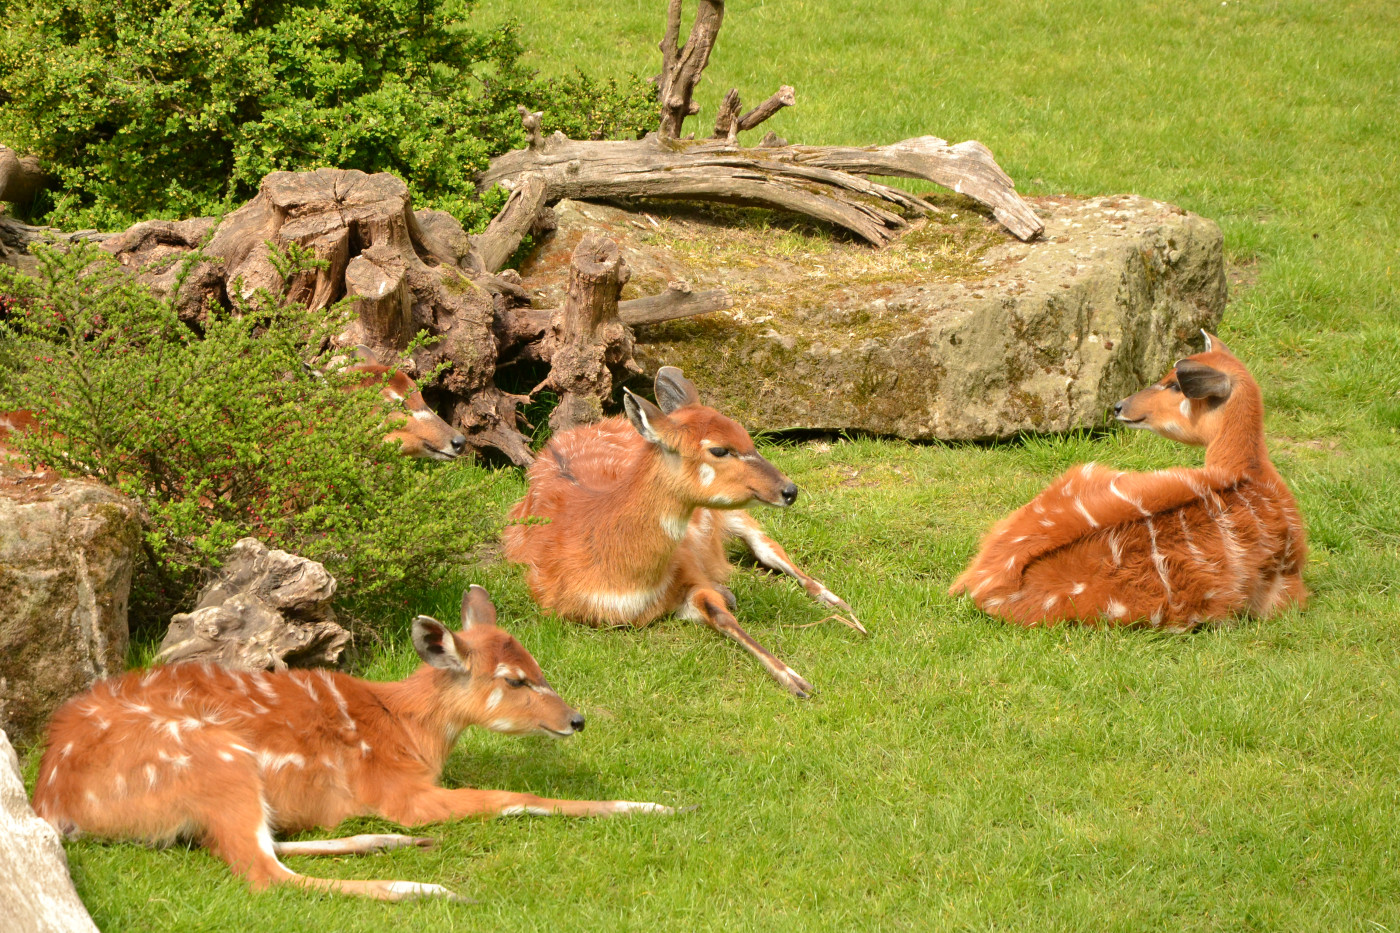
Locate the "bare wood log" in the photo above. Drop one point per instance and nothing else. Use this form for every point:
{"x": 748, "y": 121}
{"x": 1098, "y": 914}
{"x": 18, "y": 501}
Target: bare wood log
{"x": 587, "y": 341}
{"x": 21, "y": 177}
{"x": 518, "y": 217}
{"x": 785, "y": 97}
{"x": 727, "y": 119}
{"x": 816, "y": 181}
{"x": 677, "y": 301}
{"x": 967, "y": 168}
{"x": 682, "y": 66}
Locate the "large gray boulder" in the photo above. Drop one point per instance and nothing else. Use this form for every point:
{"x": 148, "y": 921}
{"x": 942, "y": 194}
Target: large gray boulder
{"x": 67, "y": 550}
{"x": 266, "y": 610}
{"x": 36, "y": 893}
{"x": 956, "y": 332}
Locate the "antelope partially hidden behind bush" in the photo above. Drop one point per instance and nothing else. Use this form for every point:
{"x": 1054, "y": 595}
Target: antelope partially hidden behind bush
{"x": 1169, "y": 549}
{"x": 227, "y": 758}
{"x": 419, "y": 430}
{"x": 638, "y": 512}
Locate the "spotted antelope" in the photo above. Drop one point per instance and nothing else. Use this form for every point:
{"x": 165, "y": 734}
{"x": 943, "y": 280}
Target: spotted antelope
{"x": 639, "y": 510}
{"x": 1169, "y": 549}
{"x": 228, "y": 758}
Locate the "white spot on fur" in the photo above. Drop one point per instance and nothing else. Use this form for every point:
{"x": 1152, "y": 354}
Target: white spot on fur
{"x": 272, "y": 762}
{"x": 1050, "y": 602}
{"x": 1115, "y": 609}
{"x": 1186, "y": 408}
{"x": 502, "y": 670}
{"x": 675, "y": 526}
{"x": 1076, "y": 589}
{"x": 151, "y": 777}
{"x": 494, "y": 700}
{"x": 707, "y": 474}
{"x": 501, "y": 725}
{"x": 226, "y": 756}
{"x": 1079, "y": 506}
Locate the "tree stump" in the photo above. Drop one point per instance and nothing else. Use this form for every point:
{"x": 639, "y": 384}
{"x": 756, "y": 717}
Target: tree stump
{"x": 587, "y": 341}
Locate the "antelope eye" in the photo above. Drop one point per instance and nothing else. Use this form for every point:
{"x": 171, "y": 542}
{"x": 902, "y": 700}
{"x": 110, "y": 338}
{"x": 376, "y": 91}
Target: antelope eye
{"x": 719, "y": 451}
{"x": 1173, "y": 387}
{"x": 515, "y": 682}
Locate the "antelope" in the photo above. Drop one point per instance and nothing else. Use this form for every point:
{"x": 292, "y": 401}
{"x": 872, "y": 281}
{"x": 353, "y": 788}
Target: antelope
{"x": 227, "y": 757}
{"x": 422, "y": 433}
{"x": 639, "y": 510}
{"x": 1169, "y": 549}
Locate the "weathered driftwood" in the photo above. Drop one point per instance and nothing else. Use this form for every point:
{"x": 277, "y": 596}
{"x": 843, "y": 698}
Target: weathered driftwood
{"x": 682, "y": 66}
{"x": 822, "y": 182}
{"x": 21, "y": 177}
{"x": 587, "y": 342}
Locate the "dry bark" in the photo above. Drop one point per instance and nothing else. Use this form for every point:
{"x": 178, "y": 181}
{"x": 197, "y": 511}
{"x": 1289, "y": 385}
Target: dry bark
{"x": 825, "y": 183}
{"x": 682, "y": 66}
{"x": 587, "y": 342}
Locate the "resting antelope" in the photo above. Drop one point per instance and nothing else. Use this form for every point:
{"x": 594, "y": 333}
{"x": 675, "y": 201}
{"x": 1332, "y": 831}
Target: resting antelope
{"x": 639, "y": 510}
{"x": 1170, "y": 549}
{"x": 421, "y": 432}
{"x": 229, "y": 757}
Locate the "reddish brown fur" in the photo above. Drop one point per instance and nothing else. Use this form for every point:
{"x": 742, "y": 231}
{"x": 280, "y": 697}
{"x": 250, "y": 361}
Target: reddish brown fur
{"x": 11, "y": 423}
{"x": 1169, "y": 549}
{"x": 421, "y": 432}
{"x": 227, "y": 757}
{"x": 639, "y": 514}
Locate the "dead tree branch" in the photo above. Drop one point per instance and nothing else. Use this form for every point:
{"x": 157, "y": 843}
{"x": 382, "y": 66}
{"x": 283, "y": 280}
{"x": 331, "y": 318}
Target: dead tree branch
{"x": 682, "y": 66}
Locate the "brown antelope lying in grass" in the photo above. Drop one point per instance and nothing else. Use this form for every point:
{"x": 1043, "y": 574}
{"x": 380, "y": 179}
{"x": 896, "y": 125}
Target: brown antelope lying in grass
{"x": 639, "y": 510}
{"x": 228, "y": 757}
{"x": 421, "y": 432}
{"x": 1170, "y": 549}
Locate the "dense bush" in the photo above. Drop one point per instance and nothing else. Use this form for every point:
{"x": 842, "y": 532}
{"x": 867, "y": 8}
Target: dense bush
{"x": 227, "y": 434}
{"x": 145, "y": 108}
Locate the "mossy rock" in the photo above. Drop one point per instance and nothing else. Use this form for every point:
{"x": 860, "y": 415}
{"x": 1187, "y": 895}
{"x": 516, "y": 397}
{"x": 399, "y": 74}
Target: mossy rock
{"x": 955, "y": 332}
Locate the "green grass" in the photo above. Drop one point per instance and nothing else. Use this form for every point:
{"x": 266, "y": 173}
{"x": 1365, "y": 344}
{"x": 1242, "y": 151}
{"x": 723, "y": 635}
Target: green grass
{"x": 954, "y": 773}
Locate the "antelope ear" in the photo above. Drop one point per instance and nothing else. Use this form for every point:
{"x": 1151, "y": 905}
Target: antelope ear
{"x": 365, "y": 354}
{"x": 650, "y": 421}
{"x": 437, "y": 646}
{"x": 1197, "y": 380}
{"x": 1214, "y": 344}
{"x": 477, "y": 608}
{"x": 673, "y": 390}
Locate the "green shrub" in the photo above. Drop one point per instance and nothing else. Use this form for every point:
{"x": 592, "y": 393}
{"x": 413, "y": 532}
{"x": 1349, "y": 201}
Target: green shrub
{"x": 228, "y": 434}
{"x": 180, "y": 107}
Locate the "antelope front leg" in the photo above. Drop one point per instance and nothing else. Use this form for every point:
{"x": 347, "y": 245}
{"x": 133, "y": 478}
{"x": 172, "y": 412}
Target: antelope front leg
{"x": 437, "y": 804}
{"x": 706, "y": 604}
{"x": 770, "y": 554}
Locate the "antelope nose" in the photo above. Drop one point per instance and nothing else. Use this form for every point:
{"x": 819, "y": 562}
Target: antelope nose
{"x": 577, "y": 722}
{"x": 789, "y": 494}
{"x": 458, "y": 443}
{"x": 1118, "y": 410}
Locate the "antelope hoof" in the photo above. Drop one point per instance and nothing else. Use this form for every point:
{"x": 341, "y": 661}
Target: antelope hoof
{"x": 413, "y": 890}
{"x": 635, "y": 806}
{"x": 797, "y": 684}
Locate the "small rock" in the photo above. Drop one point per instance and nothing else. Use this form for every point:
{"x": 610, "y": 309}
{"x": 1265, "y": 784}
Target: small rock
{"x": 266, "y": 610}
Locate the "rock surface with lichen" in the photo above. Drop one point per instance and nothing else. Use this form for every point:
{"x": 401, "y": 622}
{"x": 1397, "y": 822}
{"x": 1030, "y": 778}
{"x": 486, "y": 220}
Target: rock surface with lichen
{"x": 956, "y": 332}
{"x": 67, "y": 551}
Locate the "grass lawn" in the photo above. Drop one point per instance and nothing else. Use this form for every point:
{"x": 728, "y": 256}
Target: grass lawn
{"x": 954, "y": 772}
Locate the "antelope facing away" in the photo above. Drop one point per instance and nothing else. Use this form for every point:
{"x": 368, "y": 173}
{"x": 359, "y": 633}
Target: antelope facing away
{"x": 639, "y": 509}
{"x": 420, "y": 431}
{"x": 1169, "y": 549}
{"x": 229, "y": 757}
